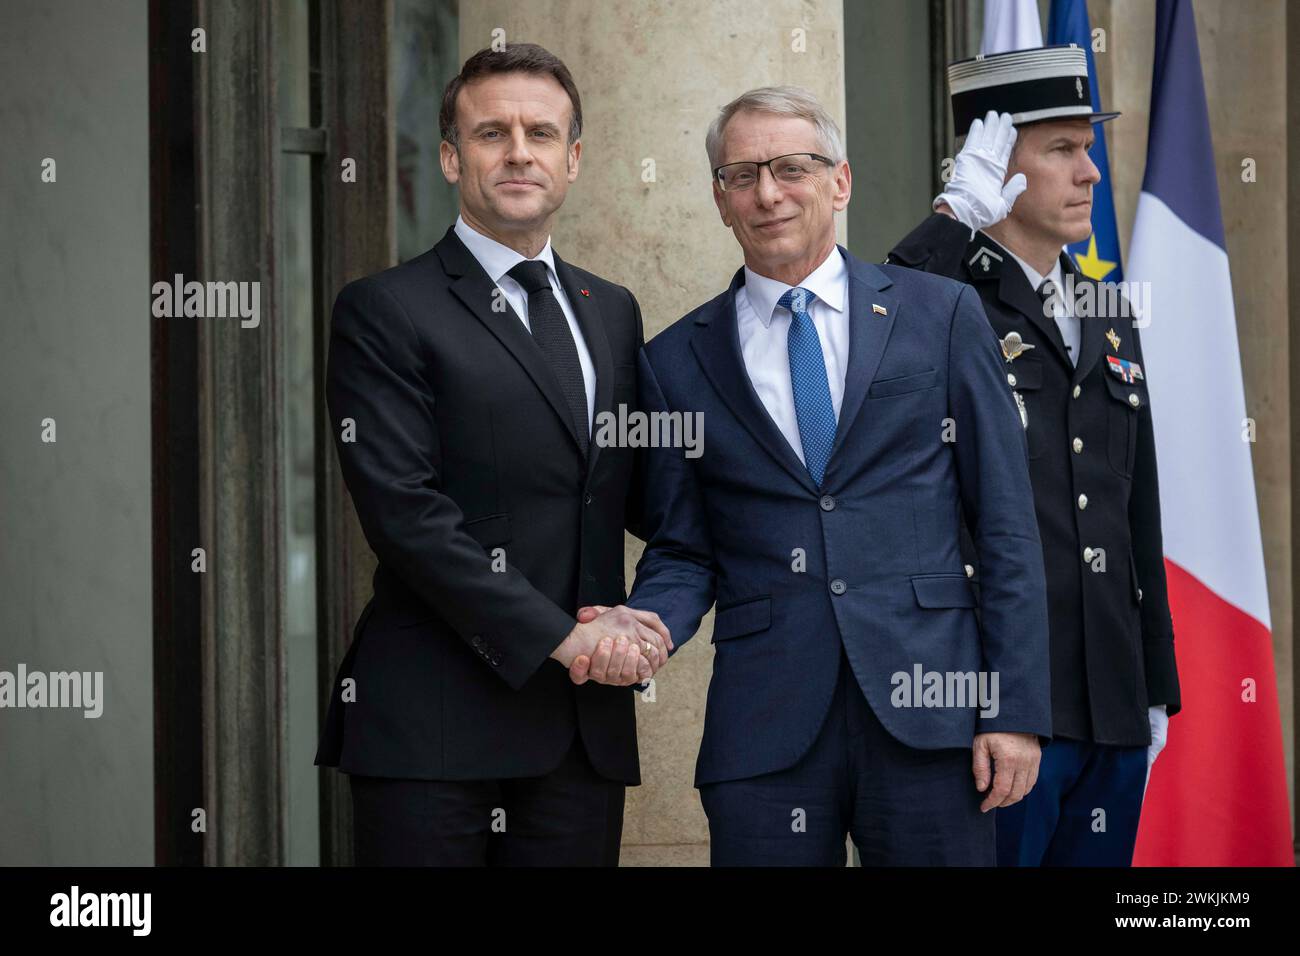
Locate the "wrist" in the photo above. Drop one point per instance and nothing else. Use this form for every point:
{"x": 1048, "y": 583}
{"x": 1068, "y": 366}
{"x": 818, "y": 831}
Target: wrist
{"x": 956, "y": 206}
{"x": 567, "y": 649}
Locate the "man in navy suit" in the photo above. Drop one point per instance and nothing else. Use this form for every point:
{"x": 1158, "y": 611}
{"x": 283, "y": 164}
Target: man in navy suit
{"x": 852, "y": 413}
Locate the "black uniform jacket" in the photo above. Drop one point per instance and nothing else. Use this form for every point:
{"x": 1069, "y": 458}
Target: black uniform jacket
{"x": 1092, "y": 464}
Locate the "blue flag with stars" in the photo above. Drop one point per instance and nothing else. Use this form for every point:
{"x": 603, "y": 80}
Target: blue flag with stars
{"x": 1097, "y": 257}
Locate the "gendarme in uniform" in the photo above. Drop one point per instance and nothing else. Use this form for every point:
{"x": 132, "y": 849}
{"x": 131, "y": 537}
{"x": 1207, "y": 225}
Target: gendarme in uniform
{"x": 1078, "y": 369}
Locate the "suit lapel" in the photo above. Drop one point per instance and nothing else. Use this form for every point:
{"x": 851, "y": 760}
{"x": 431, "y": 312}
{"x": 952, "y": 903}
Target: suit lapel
{"x": 473, "y": 287}
{"x": 587, "y": 312}
{"x": 868, "y": 333}
{"x": 717, "y": 347}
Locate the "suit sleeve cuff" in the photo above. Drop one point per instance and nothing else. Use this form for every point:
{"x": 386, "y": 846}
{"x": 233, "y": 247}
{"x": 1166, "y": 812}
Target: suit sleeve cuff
{"x": 1162, "y": 675}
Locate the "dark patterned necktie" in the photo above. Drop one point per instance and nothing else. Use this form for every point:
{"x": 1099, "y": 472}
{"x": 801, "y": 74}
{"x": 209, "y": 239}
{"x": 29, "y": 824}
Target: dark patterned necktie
{"x": 552, "y": 334}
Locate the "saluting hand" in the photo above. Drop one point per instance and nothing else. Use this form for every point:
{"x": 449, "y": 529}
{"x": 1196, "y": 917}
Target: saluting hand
{"x": 979, "y": 193}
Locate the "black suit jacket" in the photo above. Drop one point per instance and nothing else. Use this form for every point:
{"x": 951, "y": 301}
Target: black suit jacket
{"x": 455, "y": 441}
{"x": 1090, "y": 435}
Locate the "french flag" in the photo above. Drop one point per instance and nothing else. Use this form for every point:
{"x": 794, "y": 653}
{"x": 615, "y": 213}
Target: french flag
{"x": 1217, "y": 794}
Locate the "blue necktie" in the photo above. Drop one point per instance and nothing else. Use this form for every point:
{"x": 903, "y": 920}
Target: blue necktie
{"x": 812, "y": 392}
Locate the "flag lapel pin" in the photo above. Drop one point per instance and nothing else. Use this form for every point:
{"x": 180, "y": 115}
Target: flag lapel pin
{"x": 879, "y": 309}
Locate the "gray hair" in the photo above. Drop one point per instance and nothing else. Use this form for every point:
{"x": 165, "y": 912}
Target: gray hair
{"x": 781, "y": 101}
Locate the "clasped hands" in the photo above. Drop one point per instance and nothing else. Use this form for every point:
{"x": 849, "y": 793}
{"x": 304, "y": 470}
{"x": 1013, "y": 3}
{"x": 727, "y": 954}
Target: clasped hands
{"x": 620, "y": 646}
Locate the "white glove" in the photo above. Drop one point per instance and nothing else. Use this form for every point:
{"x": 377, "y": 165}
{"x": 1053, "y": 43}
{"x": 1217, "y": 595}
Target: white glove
{"x": 976, "y": 194}
{"x": 1158, "y": 718}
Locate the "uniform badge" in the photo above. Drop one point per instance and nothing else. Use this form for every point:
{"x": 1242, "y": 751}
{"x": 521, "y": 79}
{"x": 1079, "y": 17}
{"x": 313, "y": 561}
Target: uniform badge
{"x": 1014, "y": 346}
{"x": 1127, "y": 371}
{"x": 983, "y": 258}
{"x": 1113, "y": 339}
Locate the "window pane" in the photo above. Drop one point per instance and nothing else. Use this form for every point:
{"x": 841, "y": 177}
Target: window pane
{"x": 293, "y": 62}
{"x": 425, "y": 57}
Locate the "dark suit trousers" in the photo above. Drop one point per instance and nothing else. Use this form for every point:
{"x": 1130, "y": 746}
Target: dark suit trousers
{"x": 902, "y": 806}
{"x": 568, "y": 817}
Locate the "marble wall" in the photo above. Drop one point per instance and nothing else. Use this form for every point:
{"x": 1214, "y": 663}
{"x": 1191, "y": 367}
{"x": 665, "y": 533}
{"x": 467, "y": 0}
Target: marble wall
{"x": 75, "y": 513}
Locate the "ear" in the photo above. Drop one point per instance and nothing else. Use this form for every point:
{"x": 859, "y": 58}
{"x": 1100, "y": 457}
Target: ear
{"x": 575, "y": 153}
{"x": 720, "y": 200}
{"x": 843, "y": 187}
{"x": 449, "y": 159}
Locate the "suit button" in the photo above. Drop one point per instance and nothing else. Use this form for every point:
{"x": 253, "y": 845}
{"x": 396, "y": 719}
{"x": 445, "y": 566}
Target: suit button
{"x": 1075, "y": 393}
{"x": 1139, "y": 595}
{"x": 827, "y": 503}
{"x": 970, "y": 571}
{"x": 1011, "y": 380}
{"x": 1133, "y": 399}
{"x": 495, "y": 658}
{"x": 1083, "y": 502}
{"x": 587, "y": 498}
{"x": 1077, "y": 445}
{"x": 1087, "y": 554}
{"x": 476, "y": 641}
{"x": 838, "y": 586}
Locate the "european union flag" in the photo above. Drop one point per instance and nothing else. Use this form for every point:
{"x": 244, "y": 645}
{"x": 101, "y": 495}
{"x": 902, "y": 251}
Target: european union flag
{"x": 1098, "y": 256}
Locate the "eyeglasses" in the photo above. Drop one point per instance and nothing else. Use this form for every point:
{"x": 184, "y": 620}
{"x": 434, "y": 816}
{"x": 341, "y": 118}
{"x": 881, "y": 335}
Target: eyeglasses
{"x": 791, "y": 169}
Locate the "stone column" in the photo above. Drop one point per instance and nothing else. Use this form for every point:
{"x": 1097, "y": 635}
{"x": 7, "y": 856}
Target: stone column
{"x": 652, "y": 76}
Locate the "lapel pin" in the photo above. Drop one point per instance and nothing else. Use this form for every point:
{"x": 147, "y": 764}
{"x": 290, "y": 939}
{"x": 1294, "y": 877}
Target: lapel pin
{"x": 879, "y": 309}
{"x": 1113, "y": 339}
{"x": 586, "y": 292}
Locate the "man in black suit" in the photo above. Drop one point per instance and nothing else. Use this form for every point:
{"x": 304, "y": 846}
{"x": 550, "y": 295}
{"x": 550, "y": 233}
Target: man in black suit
{"x": 462, "y": 386}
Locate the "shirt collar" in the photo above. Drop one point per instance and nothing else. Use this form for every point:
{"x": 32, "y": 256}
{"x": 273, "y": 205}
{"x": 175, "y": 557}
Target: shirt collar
{"x": 829, "y": 282}
{"x": 1035, "y": 279}
{"x": 497, "y": 258}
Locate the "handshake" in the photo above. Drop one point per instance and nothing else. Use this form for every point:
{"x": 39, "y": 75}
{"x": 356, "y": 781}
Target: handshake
{"x": 618, "y": 646}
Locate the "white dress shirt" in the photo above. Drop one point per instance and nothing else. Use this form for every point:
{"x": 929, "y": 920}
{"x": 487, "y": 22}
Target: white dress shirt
{"x": 765, "y": 329}
{"x": 498, "y": 259}
{"x": 1063, "y": 306}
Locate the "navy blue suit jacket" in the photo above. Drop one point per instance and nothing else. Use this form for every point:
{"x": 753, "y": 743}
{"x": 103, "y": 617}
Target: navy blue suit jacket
{"x": 883, "y": 574}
